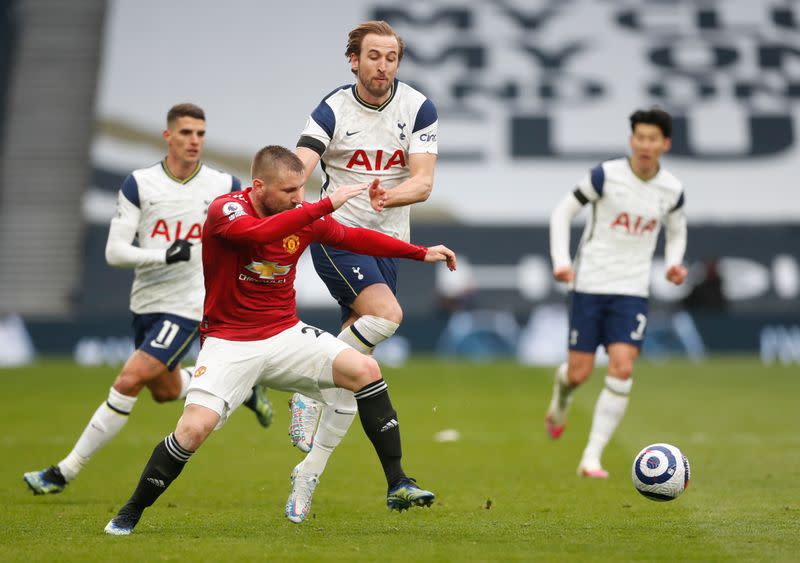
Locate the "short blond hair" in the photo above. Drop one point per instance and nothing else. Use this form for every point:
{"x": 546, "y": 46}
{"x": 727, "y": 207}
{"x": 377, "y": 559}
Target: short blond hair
{"x": 270, "y": 160}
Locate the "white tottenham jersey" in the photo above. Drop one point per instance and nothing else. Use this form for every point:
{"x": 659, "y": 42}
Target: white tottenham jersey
{"x": 163, "y": 209}
{"x": 616, "y": 251}
{"x": 357, "y": 142}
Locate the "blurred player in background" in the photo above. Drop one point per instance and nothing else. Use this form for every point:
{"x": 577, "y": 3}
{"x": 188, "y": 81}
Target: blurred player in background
{"x": 251, "y": 244}
{"x": 379, "y": 128}
{"x": 610, "y": 277}
{"x": 163, "y": 207}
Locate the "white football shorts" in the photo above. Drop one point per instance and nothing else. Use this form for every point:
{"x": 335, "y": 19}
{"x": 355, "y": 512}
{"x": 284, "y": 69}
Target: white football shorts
{"x": 299, "y": 359}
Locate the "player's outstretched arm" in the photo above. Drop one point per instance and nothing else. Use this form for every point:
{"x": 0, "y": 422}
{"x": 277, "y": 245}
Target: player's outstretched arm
{"x": 366, "y": 241}
{"x": 344, "y": 193}
{"x": 441, "y": 253}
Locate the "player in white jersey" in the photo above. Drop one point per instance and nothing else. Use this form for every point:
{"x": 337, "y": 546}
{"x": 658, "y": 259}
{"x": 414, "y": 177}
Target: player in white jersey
{"x": 378, "y": 128}
{"x": 163, "y": 208}
{"x": 610, "y": 277}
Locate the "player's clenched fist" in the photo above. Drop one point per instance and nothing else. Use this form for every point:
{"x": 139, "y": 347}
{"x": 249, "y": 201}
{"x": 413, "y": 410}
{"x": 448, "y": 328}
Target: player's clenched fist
{"x": 564, "y": 274}
{"x": 179, "y": 251}
{"x": 377, "y": 195}
{"x": 676, "y": 274}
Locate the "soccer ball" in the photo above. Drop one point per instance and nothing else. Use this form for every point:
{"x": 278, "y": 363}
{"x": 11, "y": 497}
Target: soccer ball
{"x": 660, "y": 472}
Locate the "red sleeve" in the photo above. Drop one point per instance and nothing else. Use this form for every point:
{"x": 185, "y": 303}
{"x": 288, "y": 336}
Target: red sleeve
{"x": 367, "y": 241}
{"x": 243, "y": 227}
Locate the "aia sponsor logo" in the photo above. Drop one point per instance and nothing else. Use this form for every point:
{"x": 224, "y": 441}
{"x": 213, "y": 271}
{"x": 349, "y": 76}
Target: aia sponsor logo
{"x": 634, "y": 224}
{"x": 380, "y": 160}
{"x": 163, "y": 229}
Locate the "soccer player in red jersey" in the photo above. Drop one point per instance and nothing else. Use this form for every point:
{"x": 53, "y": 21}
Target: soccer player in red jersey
{"x": 251, "y": 333}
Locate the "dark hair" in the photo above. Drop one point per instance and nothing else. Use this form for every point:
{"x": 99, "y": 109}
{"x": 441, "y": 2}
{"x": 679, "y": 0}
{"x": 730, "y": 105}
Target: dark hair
{"x": 653, "y": 116}
{"x": 356, "y": 37}
{"x": 184, "y": 110}
{"x": 268, "y": 161}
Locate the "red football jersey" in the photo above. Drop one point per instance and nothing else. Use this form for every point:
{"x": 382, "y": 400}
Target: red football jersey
{"x": 249, "y": 263}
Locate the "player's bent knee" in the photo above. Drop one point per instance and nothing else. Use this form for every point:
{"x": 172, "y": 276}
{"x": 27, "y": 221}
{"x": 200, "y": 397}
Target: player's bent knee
{"x": 394, "y": 315}
{"x": 621, "y": 371}
{"x": 378, "y": 301}
{"x": 166, "y": 387}
{"x": 372, "y": 371}
{"x": 365, "y": 372}
{"x": 129, "y": 383}
{"x": 579, "y": 378}
{"x": 386, "y": 312}
{"x": 377, "y": 329}
{"x": 195, "y": 425}
{"x": 579, "y": 366}
{"x": 164, "y": 396}
{"x": 191, "y": 437}
{"x": 353, "y": 370}
{"x": 139, "y": 371}
{"x": 579, "y": 373}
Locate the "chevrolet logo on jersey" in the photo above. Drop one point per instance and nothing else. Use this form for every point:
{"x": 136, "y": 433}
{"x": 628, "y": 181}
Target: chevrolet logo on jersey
{"x": 268, "y": 270}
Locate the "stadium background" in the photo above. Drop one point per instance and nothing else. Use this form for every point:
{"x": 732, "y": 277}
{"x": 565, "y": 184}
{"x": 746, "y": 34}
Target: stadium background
{"x": 530, "y": 95}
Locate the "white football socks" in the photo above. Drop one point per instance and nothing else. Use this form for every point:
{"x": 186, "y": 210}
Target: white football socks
{"x": 107, "y": 421}
{"x": 608, "y": 412}
{"x": 334, "y": 422}
{"x": 363, "y": 335}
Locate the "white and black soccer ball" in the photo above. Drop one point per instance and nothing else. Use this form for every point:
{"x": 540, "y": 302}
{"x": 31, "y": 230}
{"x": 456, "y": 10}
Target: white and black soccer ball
{"x": 660, "y": 472}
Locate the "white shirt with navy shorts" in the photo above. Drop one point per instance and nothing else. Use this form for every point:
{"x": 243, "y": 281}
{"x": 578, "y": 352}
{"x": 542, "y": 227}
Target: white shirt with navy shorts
{"x": 609, "y": 298}
{"x": 358, "y": 142}
{"x": 167, "y": 299}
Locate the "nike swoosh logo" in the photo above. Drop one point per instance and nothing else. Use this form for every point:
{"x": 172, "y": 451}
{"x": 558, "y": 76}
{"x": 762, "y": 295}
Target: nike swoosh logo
{"x": 337, "y": 411}
{"x": 349, "y": 134}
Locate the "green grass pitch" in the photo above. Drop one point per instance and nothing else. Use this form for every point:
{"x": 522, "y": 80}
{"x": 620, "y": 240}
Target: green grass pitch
{"x": 505, "y": 492}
